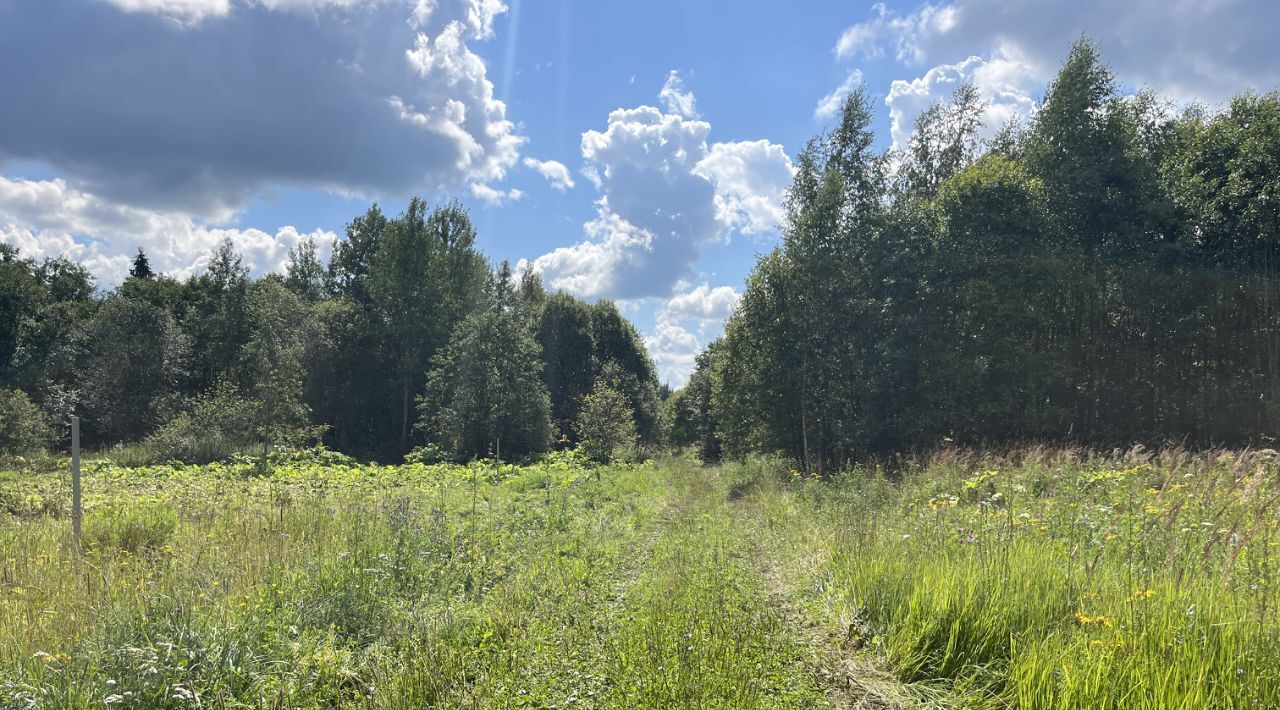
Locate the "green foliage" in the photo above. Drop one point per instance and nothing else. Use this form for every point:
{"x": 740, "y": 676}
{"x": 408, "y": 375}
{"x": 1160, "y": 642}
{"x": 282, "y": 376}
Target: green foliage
{"x": 214, "y": 425}
{"x": 425, "y": 278}
{"x": 620, "y": 358}
{"x": 141, "y": 268}
{"x": 273, "y": 356}
{"x": 326, "y": 585}
{"x": 305, "y": 275}
{"x": 1107, "y": 273}
{"x": 135, "y": 358}
{"x": 484, "y": 394}
{"x": 206, "y": 367}
{"x": 23, "y": 428}
{"x": 564, "y": 334}
{"x": 605, "y": 427}
{"x": 692, "y": 419}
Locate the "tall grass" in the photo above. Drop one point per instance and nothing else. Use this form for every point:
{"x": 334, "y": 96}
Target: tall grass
{"x": 1051, "y": 578}
{"x": 316, "y": 586}
{"x": 329, "y": 584}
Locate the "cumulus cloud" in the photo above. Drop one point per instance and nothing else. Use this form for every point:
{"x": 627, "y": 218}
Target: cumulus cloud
{"x": 666, "y": 194}
{"x": 675, "y": 98}
{"x": 1003, "y": 81}
{"x": 1189, "y": 50}
{"x": 685, "y": 322}
{"x": 830, "y": 104}
{"x": 241, "y": 96}
{"x": 47, "y": 218}
{"x": 751, "y": 179}
{"x": 868, "y": 39}
{"x": 674, "y": 350}
{"x": 704, "y": 303}
{"x": 494, "y": 196}
{"x": 554, "y": 171}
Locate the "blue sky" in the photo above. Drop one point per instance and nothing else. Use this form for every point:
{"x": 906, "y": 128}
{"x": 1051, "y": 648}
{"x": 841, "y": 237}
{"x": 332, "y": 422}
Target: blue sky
{"x": 636, "y": 151}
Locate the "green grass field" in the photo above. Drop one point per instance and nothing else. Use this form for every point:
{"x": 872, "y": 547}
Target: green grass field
{"x": 1041, "y": 579}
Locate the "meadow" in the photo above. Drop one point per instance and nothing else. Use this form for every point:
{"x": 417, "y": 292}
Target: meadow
{"x": 331, "y": 584}
{"x": 1046, "y": 578}
{"x": 1049, "y": 578}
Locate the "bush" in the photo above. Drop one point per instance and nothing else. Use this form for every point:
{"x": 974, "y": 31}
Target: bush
{"x": 218, "y": 424}
{"x": 605, "y": 426}
{"x": 23, "y": 427}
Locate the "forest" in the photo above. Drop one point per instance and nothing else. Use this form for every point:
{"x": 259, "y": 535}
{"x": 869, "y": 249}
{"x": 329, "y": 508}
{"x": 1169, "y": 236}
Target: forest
{"x": 408, "y": 340}
{"x": 1104, "y": 275}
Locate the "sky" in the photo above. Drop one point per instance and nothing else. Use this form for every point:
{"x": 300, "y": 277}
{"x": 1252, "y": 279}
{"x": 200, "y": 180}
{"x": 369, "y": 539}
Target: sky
{"x": 634, "y": 151}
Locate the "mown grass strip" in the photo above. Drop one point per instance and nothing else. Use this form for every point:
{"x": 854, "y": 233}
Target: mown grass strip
{"x": 698, "y": 630}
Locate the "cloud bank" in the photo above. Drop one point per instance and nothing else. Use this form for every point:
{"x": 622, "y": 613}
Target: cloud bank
{"x": 1188, "y": 51}
{"x": 199, "y": 105}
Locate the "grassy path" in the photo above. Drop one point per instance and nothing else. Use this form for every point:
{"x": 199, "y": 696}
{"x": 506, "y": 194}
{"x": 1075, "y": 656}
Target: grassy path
{"x": 698, "y": 628}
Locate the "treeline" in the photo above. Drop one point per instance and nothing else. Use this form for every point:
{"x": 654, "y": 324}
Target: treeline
{"x": 1105, "y": 273}
{"x": 407, "y": 340}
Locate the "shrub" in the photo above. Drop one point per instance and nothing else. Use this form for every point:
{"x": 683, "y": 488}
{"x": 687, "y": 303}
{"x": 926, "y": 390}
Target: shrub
{"x": 218, "y": 423}
{"x": 605, "y": 426}
{"x": 23, "y": 427}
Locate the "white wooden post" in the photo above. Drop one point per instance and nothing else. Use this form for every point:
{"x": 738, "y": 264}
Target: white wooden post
{"x": 75, "y": 480}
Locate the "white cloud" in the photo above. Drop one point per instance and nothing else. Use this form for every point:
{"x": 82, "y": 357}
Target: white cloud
{"x": 675, "y": 98}
{"x": 829, "y": 105}
{"x": 182, "y": 11}
{"x": 594, "y": 268}
{"x": 554, "y": 171}
{"x": 1189, "y": 50}
{"x": 373, "y": 99}
{"x": 704, "y": 303}
{"x": 674, "y": 350}
{"x": 667, "y": 194}
{"x": 868, "y": 39}
{"x": 494, "y": 196}
{"x": 751, "y": 179}
{"x": 46, "y": 218}
{"x": 432, "y": 15}
{"x": 1002, "y": 81}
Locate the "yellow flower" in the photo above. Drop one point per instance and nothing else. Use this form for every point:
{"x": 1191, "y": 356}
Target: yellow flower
{"x": 1085, "y": 620}
{"x": 1140, "y": 595}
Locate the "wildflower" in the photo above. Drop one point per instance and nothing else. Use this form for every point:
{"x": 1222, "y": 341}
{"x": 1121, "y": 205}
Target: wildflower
{"x": 1140, "y": 595}
{"x": 1084, "y": 619}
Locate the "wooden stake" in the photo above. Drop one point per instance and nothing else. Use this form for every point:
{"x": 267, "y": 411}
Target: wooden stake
{"x": 76, "y": 513}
